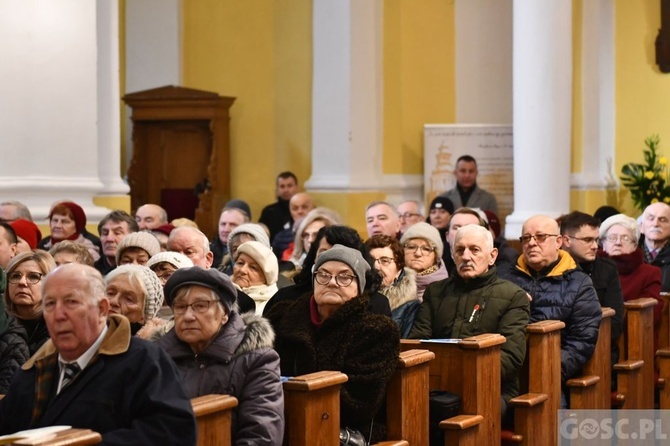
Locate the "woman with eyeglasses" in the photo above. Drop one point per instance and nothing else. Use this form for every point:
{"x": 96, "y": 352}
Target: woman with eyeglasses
{"x": 23, "y": 295}
{"x": 423, "y": 248}
{"x": 619, "y": 235}
{"x": 398, "y": 282}
{"x": 219, "y": 351}
{"x": 332, "y": 328}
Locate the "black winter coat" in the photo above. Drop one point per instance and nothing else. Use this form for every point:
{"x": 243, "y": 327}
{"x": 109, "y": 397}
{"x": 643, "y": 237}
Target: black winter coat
{"x": 13, "y": 349}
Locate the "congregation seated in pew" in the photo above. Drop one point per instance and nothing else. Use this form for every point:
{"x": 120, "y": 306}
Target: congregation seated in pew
{"x": 333, "y": 328}
{"x": 219, "y": 351}
{"x": 476, "y": 301}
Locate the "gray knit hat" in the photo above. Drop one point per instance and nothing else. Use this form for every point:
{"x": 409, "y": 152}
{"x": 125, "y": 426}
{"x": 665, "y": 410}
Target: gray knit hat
{"x": 176, "y": 259}
{"x": 143, "y": 239}
{"x": 153, "y": 299}
{"x": 352, "y": 257}
{"x": 255, "y": 230}
{"x": 427, "y": 232}
{"x": 623, "y": 220}
{"x": 265, "y": 258}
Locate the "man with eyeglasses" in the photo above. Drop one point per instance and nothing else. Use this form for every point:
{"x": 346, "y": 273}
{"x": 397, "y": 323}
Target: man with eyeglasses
{"x": 92, "y": 374}
{"x": 580, "y": 234}
{"x": 655, "y": 229}
{"x": 559, "y": 290}
{"x": 410, "y": 212}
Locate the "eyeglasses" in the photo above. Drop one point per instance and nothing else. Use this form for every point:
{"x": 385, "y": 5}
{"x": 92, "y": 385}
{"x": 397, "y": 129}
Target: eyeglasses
{"x": 623, "y": 238}
{"x": 408, "y": 215}
{"x": 539, "y": 238}
{"x": 424, "y": 249}
{"x": 385, "y": 261}
{"x": 342, "y": 279}
{"x": 587, "y": 240}
{"x": 199, "y": 306}
{"x": 31, "y": 278}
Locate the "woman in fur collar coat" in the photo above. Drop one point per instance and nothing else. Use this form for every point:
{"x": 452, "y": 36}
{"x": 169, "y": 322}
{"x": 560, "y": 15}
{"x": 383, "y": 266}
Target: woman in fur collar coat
{"x": 220, "y": 351}
{"x": 398, "y": 282}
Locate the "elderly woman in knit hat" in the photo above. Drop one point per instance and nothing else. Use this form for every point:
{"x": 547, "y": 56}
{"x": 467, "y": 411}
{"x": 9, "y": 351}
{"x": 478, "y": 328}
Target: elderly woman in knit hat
{"x": 165, "y": 263}
{"x": 243, "y": 233}
{"x": 219, "y": 351}
{"x": 23, "y": 295}
{"x": 255, "y": 272}
{"x": 135, "y": 292}
{"x": 423, "y": 253}
{"x": 333, "y": 329}
{"x": 137, "y": 248}
{"x": 67, "y": 221}
{"x": 27, "y": 233}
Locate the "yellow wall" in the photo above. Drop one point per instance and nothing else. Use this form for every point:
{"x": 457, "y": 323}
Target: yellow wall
{"x": 260, "y": 53}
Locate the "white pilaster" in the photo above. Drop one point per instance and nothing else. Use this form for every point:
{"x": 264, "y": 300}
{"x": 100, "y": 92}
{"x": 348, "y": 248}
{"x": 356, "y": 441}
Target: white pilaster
{"x": 347, "y": 101}
{"x": 50, "y": 115}
{"x": 542, "y": 97}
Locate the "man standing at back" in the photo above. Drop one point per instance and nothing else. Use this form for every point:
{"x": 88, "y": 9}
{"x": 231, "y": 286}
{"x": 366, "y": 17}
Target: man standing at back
{"x": 466, "y": 192}
{"x": 580, "y": 233}
{"x": 92, "y": 374}
{"x": 277, "y": 216}
{"x": 559, "y": 291}
{"x": 655, "y": 228}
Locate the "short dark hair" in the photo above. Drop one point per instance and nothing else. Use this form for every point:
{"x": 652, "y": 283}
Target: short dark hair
{"x": 10, "y": 233}
{"x": 384, "y": 241}
{"x": 119, "y": 216}
{"x": 467, "y": 159}
{"x": 572, "y": 222}
{"x": 285, "y": 175}
{"x": 469, "y": 211}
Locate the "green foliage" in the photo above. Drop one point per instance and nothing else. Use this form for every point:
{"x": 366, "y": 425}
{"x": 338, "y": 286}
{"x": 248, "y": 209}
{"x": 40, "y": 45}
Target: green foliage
{"x": 648, "y": 182}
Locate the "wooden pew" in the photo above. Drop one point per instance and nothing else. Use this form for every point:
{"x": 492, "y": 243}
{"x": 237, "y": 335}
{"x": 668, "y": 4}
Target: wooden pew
{"x": 470, "y": 368}
{"x": 535, "y": 420}
{"x": 592, "y": 390}
{"x": 69, "y": 437}
{"x": 635, "y": 372}
{"x": 213, "y": 414}
{"x": 312, "y": 405}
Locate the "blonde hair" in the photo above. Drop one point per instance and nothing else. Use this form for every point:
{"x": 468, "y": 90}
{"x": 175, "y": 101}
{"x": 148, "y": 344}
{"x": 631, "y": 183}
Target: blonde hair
{"x": 45, "y": 264}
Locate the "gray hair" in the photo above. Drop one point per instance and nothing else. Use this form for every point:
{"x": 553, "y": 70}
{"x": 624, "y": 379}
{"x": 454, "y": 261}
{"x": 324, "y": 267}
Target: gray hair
{"x": 203, "y": 238}
{"x": 477, "y": 230}
{"x": 20, "y": 211}
{"x": 386, "y": 203}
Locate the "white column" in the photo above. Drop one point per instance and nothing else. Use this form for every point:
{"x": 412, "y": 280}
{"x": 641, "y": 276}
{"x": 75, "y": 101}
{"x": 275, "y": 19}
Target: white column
{"x": 48, "y": 61}
{"x": 597, "y": 96}
{"x": 347, "y": 102}
{"x": 109, "y": 121}
{"x": 542, "y": 97}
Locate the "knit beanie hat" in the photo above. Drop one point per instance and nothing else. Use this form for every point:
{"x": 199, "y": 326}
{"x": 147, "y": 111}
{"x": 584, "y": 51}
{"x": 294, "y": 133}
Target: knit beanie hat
{"x": 352, "y": 257}
{"x": 240, "y": 205}
{"x": 623, "y": 220}
{"x": 77, "y": 212}
{"x": 265, "y": 258}
{"x": 442, "y": 203}
{"x": 28, "y": 231}
{"x": 143, "y": 239}
{"x": 211, "y": 278}
{"x": 427, "y": 232}
{"x": 254, "y": 230}
{"x": 176, "y": 259}
{"x": 154, "y": 288}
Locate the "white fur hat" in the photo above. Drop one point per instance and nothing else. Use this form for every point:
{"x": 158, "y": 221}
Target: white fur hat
{"x": 622, "y": 220}
{"x": 176, "y": 259}
{"x": 264, "y": 257}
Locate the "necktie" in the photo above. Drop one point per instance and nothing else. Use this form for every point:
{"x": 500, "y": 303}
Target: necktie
{"x": 654, "y": 253}
{"x": 71, "y": 371}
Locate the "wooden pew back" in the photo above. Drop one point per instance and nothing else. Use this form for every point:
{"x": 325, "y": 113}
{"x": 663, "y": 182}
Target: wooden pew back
{"x": 213, "y": 413}
{"x": 69, "y": 437}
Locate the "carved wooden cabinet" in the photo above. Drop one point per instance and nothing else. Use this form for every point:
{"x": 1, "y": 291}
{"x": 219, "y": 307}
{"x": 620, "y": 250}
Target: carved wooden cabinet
{"x": 181, "y": 153}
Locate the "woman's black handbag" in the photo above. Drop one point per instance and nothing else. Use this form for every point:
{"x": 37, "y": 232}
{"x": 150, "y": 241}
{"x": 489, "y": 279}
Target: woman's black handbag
{"x": 443, "y": 405}
{"x": 350, "y": 437}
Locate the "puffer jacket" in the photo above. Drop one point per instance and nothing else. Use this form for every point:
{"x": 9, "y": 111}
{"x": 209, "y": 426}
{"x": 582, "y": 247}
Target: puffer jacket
{"x": 566, "y": 294}
{"x": 448, "y": 311}
{"x": 13, "y": 348}
{"x": 403, "y": 300}
{"x": 240, "y": 362}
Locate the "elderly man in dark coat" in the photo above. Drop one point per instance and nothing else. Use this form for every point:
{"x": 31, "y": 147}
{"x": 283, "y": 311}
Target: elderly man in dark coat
{"x": 93, "y": 374}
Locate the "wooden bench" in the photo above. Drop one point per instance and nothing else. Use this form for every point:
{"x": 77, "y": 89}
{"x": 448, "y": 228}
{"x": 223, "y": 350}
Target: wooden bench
{"x": 470, "y": 368}
{"x": 312, "y": 405}
{"x": 535, "y": 419}
{"x": 635, "y": 370}
{"x": 69, "y": 437}
{"x": 592, "y": 390}
{"x": 213, "y": 413}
